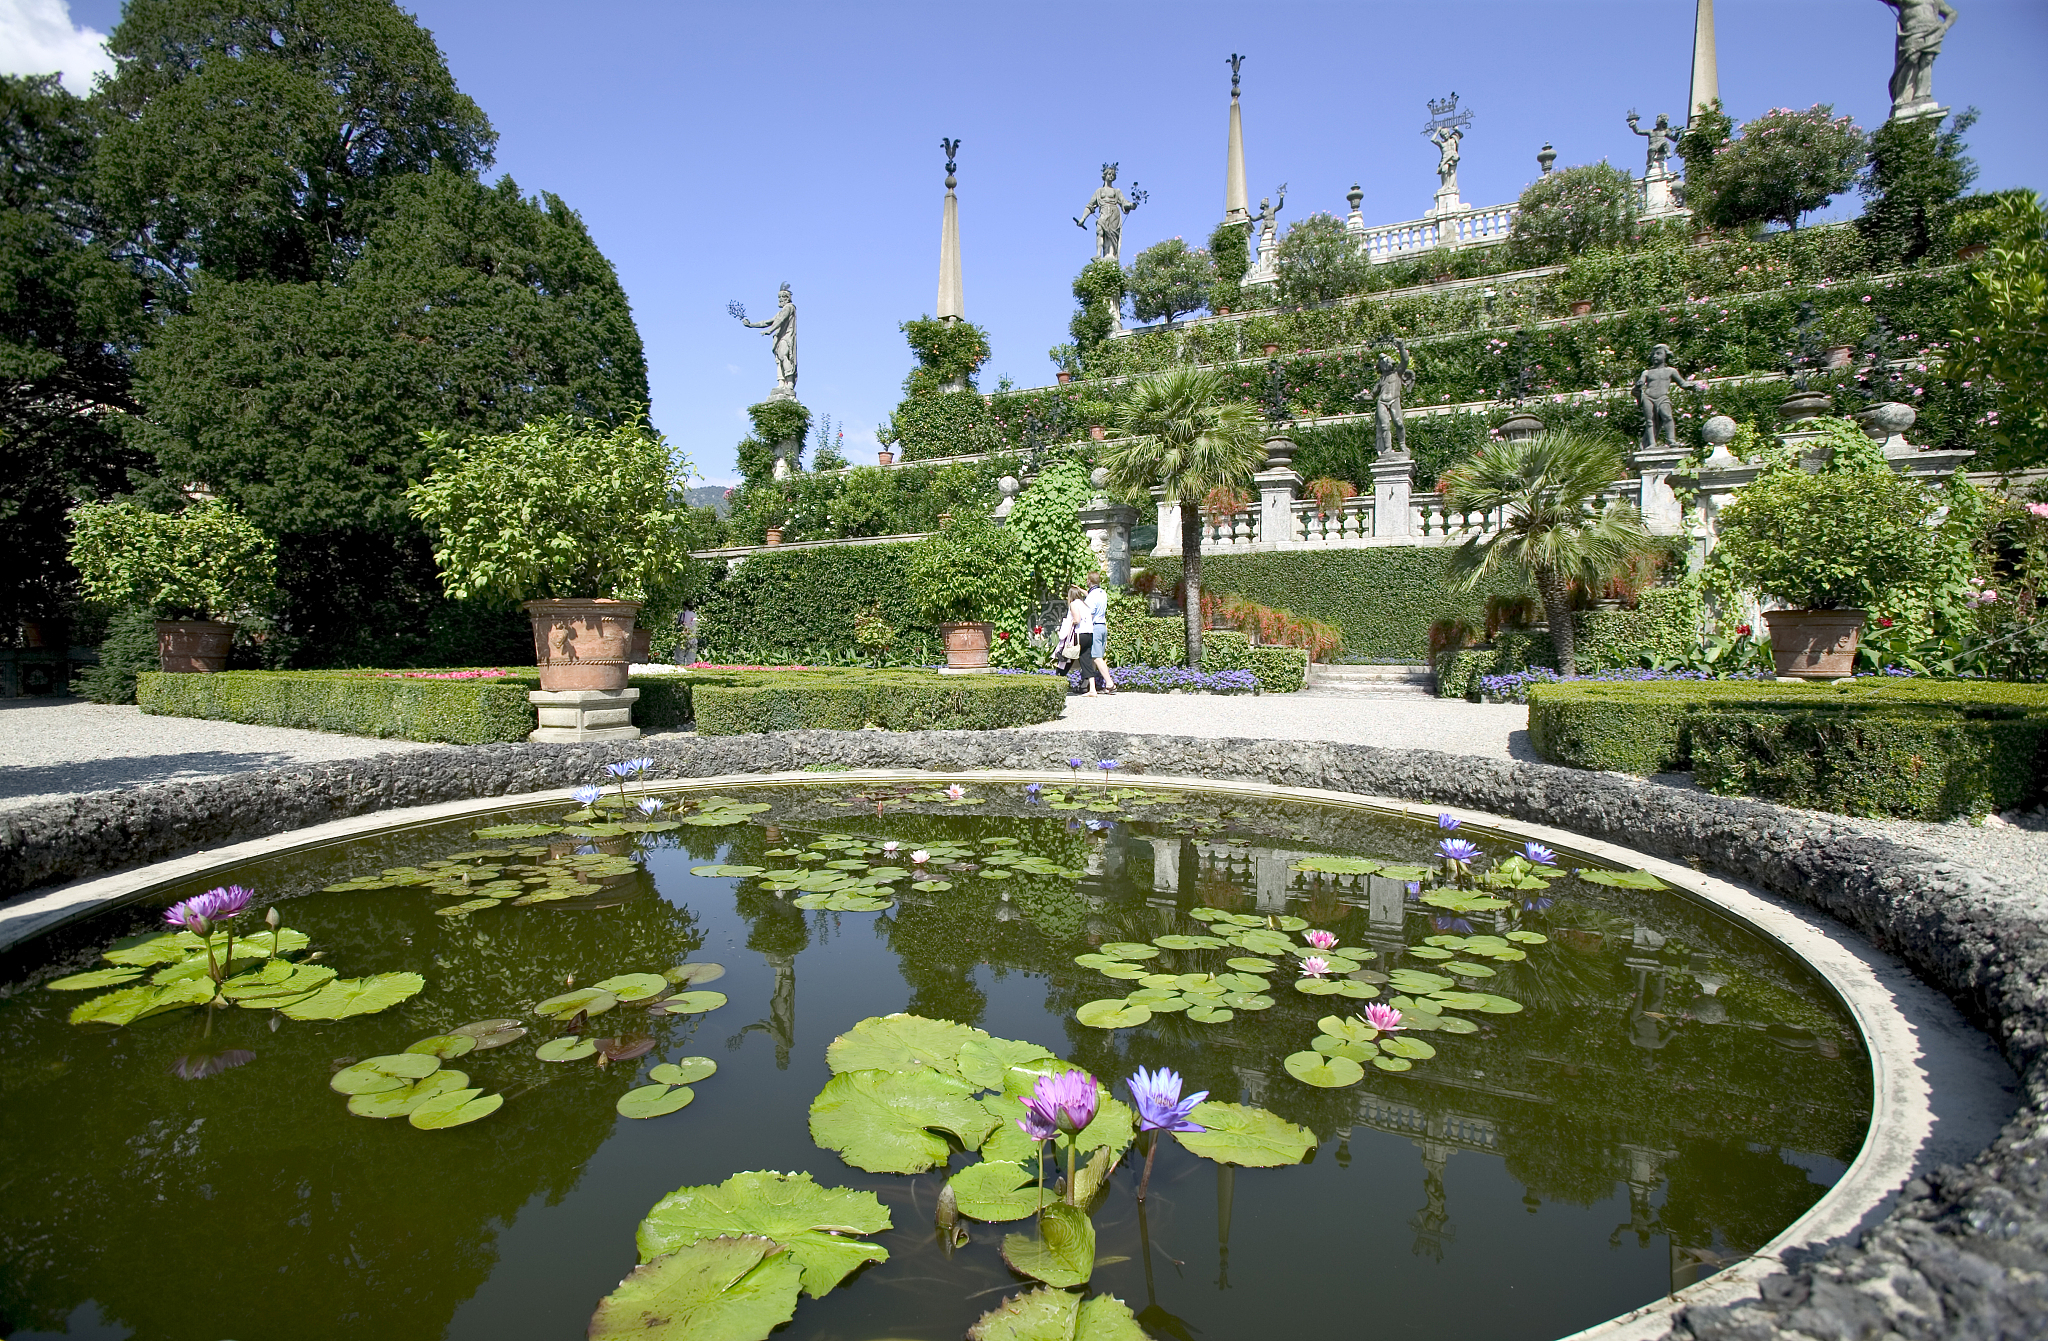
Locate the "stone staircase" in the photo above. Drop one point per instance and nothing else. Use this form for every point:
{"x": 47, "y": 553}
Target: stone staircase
{"x": 1385, "y": 682}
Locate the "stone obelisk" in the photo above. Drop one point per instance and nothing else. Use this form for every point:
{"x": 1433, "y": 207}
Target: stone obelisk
{"x": 1706, "y": 80}
{"x": 952, "y": 303}
{"x": 1236, "y": 204}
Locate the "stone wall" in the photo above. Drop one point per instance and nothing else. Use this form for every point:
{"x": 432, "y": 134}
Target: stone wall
{"x": 1964, "y": 1255}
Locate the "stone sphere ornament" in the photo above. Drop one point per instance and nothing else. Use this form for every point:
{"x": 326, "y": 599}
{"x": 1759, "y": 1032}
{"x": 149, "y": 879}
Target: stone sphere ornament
{"x": 1888, "y": 419}
{"x": 1099, "y": 477}
{"x": 1718, "y": 431}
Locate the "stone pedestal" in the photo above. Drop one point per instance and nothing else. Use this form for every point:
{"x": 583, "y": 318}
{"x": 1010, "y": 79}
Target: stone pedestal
{"x": 1279, "y": 486}
{"x": 1657, "y": 195}
{"x": 1393, "y": 485}
{"x": 1168, "y": 543}
{"x": 1663, "y": 514}
{"x": 585, "y": 714}
{"x": 1108, "y": 527}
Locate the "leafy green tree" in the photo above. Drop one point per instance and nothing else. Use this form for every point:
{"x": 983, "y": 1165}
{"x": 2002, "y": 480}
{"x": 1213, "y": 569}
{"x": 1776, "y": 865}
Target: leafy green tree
{"x": 1553, "y": 531}
{"x": 71, "y": 318}
{"x": 1318, "y": 261}
{"x": 2002, "y": 329}
{"x": 1916, "y": 174}
{"x": 1047, "y": 526}
{"x": 1783, "y": 165}
{"x": 1230, "y": 253}
{"x": 262, "y": 139}
{"x": 1169, "y": 280}
{"x": 205, "y": 562}
{"x": 949, "y": 354}
{"x": 1099, "y": 292}
{"x": 1574, "y": 210}
{"x": 966, "y": 573}
{"x": 1182, "y": 431}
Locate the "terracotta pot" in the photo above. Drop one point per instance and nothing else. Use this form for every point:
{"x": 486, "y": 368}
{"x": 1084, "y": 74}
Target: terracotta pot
{"x": 1097, "y": 433}
{"x": 1582, "y": 309}
{"x": 1973, "y": 251}
{"x": 967, "y": 645}
{"x": 1065, "y": 378}
{"x": 886, "y": 458}
{"x": 184, "y": 645}
{"x": 774, "y": 536}
{"x": 582, "y": 644}
{"x": 640, "y": 647}
{"x": 1271, "y": 350}
{"x": 1444, "y": 279}
{"x": 1815, "y": 644}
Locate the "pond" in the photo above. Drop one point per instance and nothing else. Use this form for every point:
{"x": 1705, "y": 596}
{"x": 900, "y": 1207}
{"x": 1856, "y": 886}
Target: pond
{"x": 1599, "y": 1090}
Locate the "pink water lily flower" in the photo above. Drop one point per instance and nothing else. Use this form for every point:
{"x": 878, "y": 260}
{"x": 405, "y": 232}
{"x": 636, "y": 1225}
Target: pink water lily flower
{"x": 889, "y": 848}
{"x": 920, "y": 857}
{"x": 1383, "y": 1018}
{"x": 955, "y": 792}
{"x": 1322, "y": 940}
{"x": 1315, "y": 966}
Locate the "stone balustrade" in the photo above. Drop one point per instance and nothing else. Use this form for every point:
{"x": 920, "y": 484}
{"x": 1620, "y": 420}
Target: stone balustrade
{"x": 1480, "y": 227}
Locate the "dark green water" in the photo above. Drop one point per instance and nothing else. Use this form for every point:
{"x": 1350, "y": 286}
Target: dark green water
{"x": 1675, "y": 1092}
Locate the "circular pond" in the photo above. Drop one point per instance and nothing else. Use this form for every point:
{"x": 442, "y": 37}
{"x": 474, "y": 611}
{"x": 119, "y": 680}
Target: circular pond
{"x": 485, "y": 1068}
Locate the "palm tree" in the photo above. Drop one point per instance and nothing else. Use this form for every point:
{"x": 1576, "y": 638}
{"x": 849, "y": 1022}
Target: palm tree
{"x": 1546, "y": 489}
{"x": 1180, "y": 432}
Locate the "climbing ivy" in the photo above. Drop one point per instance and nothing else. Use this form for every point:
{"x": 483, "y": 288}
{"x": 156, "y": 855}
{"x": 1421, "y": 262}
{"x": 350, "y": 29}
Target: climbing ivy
{"x": 1049, "y": 535}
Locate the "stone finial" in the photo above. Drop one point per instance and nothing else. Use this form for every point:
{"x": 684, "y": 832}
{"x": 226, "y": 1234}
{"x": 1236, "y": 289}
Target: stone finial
{"x": 1546, "y": 158}
{"x": 1717, "y": 433}
{"x": 1009, "y": 488}
{"x": 1099, "y": 477}
{"x": 1521, "y": 425}
{"x": 1356, "y": 196}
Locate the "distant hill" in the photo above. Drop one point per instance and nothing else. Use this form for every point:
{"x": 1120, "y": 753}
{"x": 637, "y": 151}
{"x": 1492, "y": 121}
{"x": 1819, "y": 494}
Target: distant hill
{"x": 708, "y": 496}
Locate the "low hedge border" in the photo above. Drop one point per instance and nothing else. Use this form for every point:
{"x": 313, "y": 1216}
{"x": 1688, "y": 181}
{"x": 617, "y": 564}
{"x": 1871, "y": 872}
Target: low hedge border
{"x": 891, "y": 700}
{"x": 1963, "y": 1252}
{"x": 1163, "y": 642}
{"x": 1664, "y": 626}
{"x": 1924, "y": 749}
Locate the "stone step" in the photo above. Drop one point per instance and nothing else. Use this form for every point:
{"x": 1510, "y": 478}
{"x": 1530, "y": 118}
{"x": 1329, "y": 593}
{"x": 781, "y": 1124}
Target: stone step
{"x": 1387, "y": 691}
{"x": 1382, "y": 681}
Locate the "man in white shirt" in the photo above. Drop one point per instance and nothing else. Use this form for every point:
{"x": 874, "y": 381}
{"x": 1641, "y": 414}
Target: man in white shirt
{"x": 1098, "y": 612}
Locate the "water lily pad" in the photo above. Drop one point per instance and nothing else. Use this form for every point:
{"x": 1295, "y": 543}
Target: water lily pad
{"x": 1500, "y": 1005}
{"x": 1130, "y": 950}
{"x": 453, "y": 1108}
{"x": 725, "y": 1289}
{"x": 498, "y": 1038}
{"x": 1249, "y": 964}
{"x": 1393, "y": 1063}
{"x": 130, "y": 1004}
{"x": 1165, "y": 1005}
{"x": 984, "y": 1062}
{"x": 1123, "y": 971}
{"x": 1062, "y": 1253}
{"x": 1622, "y": 879}
{"x": 1111, "y": 1014}
{"x": 1211, "y": 1014}
{"x": 582, "y": 1001}
{"x": 1429, "y": 952}
{"x": 1158, "y": 981}
{"x": 444, "y": 1046}
{"x": 931, "y": 886}
{"x": 622, "y": 1049}
{"x": 343, "y": 998}
{"x": 884, "y": 1121}
{"x": 634, "y": 986}
{"x": 1412, "y": 1048}
{"x": 1252, "y": 1137}
{"x": 817, "y": 1224}
{"x": 383, "y": 1073}
{"x": 570, "y": 1049}
{"x": 1337, "y": 865}
{"x": 1317, "y": 986}
{"x": 1247, "y": 1001}
{"x": 1407, "y": 872}
{"x": 1332, "y": 1046}
{"x": 1465, "y": 969}
{"x": 649, "y": 1101}
{"x": 277, "y": 982}
{"x": 1357, "y": 989}
{"x": 1178, "y": 942}
{"x": 683, "y": 975}
{"x": 688, "y": 1071}
{"x": 400, "y": 1102}
{"x": 1324, "y": 1072}
{"x": 1046, "y": 1314}
{"x": 692, "y": 1003}
{"x": 1529, "y": 937}
{"x": 1089, "y": 960}
{"x": 902, "y": 1042}
{"x": 998, "y": 1190}
{"x": 1456, "y": 1024}
{"x": 1415, "y": 980}
{"x": 516, "y": 831}
{"x": 79, "y": 982}
{"x": 725, "y": 869}
{"x": 1241, "y": 982}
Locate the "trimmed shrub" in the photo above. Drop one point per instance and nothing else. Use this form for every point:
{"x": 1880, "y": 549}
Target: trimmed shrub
{"x": 1161, "y": 643}
{"x": 892, "y": 700}
{"x": 128, "y": 650}
{"x": 800, "y": 606}
{"x": 1664, "y": 626}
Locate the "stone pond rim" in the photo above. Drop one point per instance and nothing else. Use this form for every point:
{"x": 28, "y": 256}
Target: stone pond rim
{"x": 1963, "y": 1253}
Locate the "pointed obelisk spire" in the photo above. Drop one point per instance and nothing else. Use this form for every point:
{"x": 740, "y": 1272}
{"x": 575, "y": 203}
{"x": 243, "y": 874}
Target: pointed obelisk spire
{"x": 952, "y": 304}
{"x": 1706, "y": 80}
{"x": 1236, "y": 205}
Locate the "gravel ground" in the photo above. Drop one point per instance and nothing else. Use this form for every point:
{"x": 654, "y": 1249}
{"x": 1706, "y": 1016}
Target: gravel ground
{"x": 1491, "y": 730}
{"x": 58, "y": 746}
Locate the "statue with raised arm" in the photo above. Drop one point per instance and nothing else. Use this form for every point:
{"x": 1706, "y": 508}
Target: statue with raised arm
{"x": 1390, "y": 428}
{"x": 1922, "y": 26}
{"x": 781, "y": 328}
{"x": 1268, "y": 218}
{"x": 1663, "y": 138}
{"x": 1653, "y": 393}
{"x": 1447, "y": 139}
{"x": 1109, "y": 206}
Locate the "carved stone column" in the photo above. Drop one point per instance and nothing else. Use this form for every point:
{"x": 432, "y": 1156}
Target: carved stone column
{"x": 1393, "y": 487}
{"x": 1108, "y": 527}
{"x": 1279, "y": 486}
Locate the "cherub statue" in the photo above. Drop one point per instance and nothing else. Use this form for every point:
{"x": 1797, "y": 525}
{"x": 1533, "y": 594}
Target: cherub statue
{"x": 1663, "y": 138}
{"x": 1653, "y": 393}
{"x": 1268, "y": 217}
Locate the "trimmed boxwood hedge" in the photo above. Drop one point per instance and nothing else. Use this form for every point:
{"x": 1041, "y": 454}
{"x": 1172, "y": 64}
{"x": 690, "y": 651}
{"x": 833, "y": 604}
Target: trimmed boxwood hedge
{"x": 895, "y": 700}
{"x": 1664, "y": 626}
{"x": 800, "y": 606}
{"x": 455, "y": 712}
{"x": 1919, "y": 748}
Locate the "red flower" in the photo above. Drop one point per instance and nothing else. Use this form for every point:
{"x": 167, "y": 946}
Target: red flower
{"x": 1742, "y": 630}
{"x": 1005, "y": 633}
{"x": 1884, "y": 623}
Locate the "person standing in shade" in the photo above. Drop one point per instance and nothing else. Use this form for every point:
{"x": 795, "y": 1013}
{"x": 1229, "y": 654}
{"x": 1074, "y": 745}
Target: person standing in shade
{"x": 1098, "y": 624}
{"x": 1079, "y": 642}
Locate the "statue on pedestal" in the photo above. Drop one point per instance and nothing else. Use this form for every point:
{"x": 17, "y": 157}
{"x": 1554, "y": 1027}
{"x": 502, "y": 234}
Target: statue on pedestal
{"x": 1109, "y": 206}
{"x": 1268, "y": 218}
{"x": 1922, "y": 26}
{"x": 1446, "y": 130}
{"x": 1653, "y": 393}
{"x": 1663, "y": 138}
{"x": 1390, "y": 429}
{"x": 781, "y": 328}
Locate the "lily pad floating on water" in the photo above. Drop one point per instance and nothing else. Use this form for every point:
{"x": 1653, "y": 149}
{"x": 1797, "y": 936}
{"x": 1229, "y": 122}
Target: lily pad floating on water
{"x": 1131, "y": 950}
{"x": 987, "y": 1062}
{"x": 1325, "y": 1072}
{"x": 1211, "y": 1014}
{"x": 109, "y": 977}
{"x": 902, "y": 1042}
{"x": 998, "y": 1190}
{"x": 582, "y": 1001}
{"x": 444, "y": 1046}
{"x": 1393, "y": 1063}
{"x": 1252, "y": 1137}
{"x": 453, "y": 1108}
{"x": 493, "y": 1033}
{"x": 817, "y": 1224}
{"x": 884, "y": 1121}
{"x": 1529, "y": 937}
{"x": 1621, "y": 879}
{"x": 688, "y": 1071}
{"x": 931, "y": 886}
{"x": 1248, "y": 964}
{"x": 1062, "y": 1253}
{"x": 630, "y": 987}
{"x": 1112, "y": 1014}
{"x": 373, "y": 1074}
{"x": 1338, "y": 865}
{"x": 1123, "y": 971}
{"x": 571, "y": 1049}
{"x": 1178, "y": 942}
{"x": 401, "y": 1102}
{"x": 726, "y": 869}
{"x": 683, "y": 975}
{"x": 344, "y": 998}
{"x": 651, "y": 1101}
{"x": 1414, "y": 1049}
{"x": 1429, "y": 952}
{"x": 130, "y": 1004}
{"x": 692, "y": 1003}
{"x": 725, "y": 1289}
{"x": 1464, "y": 969}
{"x": 516, "y": 831}
{"x": 1046, "y": 1314}
{"x": 622, "y": 1049}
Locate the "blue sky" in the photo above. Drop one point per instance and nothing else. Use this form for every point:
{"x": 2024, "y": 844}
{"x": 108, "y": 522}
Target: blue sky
{"x": 717, "y": 150}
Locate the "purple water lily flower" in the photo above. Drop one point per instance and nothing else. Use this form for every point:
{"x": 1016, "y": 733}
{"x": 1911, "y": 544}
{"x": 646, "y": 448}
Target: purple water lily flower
{"x": 1106, "y": 764}
{"x": 1031, "y": 791}
{"x": 1414, "y": 888}
{"x": 1446, "y": 821}
{"x": 1156, "y": 1095}
{"x": 1458, "y": 850}
{"x": 1457, "y": 924}
{"x": 622, "y": 770}
{"x": 1037, "y": 1122}
{"x": 198, "y": 913}
{"x": 1538, "y": 855}
{"x": 647, "y": 805}
{"x": 1069, "y": 1097}
{"x": 586, "y": 796}
{"x": 1383, "y": 1018}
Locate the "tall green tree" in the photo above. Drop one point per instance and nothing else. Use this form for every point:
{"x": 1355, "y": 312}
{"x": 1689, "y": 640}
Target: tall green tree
{"x": 2002, "y": 329}
{"x": 1181, "y": 431}
{"x": 1552, "y": 528}
{"x": 1169, "y": 279}
{"x": 1783, "y": 165}
{"x": 71, "y": 318}
{"x": 1319, "y": 260}
{"x": 1916, "y": 174}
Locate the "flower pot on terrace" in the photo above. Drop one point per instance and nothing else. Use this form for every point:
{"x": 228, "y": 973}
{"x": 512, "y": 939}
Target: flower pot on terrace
{"x": 774, "y": 536}
{"x": 193, "y": 644}
{"x": 967, "y": 645}
{"x": 640, "y": 647}
{"x": 1097, "y": 433}
{"x": 582, "y": 644}
{"x": 1065, "y": 378}
{"x": 1814, "y": 644}
{"x": 1582, "y": 309}
{"x": 886, "y": 458}
{"x": 1271, "y": 350}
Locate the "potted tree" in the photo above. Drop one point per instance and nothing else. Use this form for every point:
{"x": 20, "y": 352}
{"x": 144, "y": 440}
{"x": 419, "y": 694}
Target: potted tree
{"x": 1828, "y": 546}
{"x": 962, "y": 578}
{"x": 581, "y": 522}
{"x": 194, "y": 570}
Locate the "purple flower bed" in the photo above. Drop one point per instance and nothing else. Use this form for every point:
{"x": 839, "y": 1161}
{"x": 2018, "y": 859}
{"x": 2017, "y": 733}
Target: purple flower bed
{"x": 1514, "y": 687}
{"x": 1161, "y": 679}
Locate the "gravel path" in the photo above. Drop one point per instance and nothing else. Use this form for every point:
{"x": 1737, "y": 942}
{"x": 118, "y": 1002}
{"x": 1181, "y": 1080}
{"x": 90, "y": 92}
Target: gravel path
{"x": 1492, "y": 730}
{"x": 55, "y": 746}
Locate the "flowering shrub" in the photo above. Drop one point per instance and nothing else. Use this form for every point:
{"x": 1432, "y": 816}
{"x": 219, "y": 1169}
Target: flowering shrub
{"x": 1514, "y": 687}
{"x": 1165, "y": 679}
{"x": 1783, "y": 164}
{"x": 1568, "y": 212}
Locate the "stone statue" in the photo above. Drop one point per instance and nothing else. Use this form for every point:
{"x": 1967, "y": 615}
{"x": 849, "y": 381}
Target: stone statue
{"x": 1390, "y": 429}
{"x": 1663, "y": 137}
{"x": 1922, "y": 26}
{"x": 1268, "y": 218}
{"x": 1446, "y": 139}
{"x": 1653, "y": 393}
{"x": 781, "y": 329}
{"x": 1109, "y": 206}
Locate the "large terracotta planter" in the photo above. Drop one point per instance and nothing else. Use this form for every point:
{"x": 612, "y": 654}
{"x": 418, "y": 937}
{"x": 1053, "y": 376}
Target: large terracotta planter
{"x": 1815, "y": 644}
{"x": 184, "y": 645}
{"x": 582, "y": 644}
{"x": 640, "y": 647}
{"x": 967, "y": 645}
